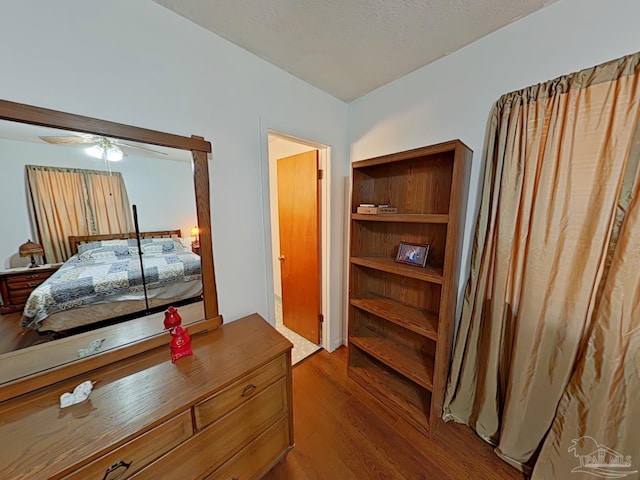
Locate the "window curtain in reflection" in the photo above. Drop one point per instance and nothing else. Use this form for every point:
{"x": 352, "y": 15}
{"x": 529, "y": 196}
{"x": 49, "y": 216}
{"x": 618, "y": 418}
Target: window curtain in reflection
{"x": 109, "y": 203}
{"x": 59, "y": 206}
{"x": 556, "y": 161}
{"x": 69, "y": 202}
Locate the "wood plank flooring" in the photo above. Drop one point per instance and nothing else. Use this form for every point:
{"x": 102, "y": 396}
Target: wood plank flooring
{"x": 343, "y": 432}
{"x": 14, "y": 337}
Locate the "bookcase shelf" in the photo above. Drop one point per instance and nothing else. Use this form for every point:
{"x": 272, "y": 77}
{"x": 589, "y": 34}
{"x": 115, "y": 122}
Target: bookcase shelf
{"x": 428, "y": 274}
{"x": 411, "y": 364}
{"x": 402, "y": 217}
{"x": 401, "y": 317}
{"x": 412, "y": 318}
{"x": 403, "y": 396}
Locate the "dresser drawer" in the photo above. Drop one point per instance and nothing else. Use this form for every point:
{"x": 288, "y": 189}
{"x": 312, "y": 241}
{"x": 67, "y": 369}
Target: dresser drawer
{"x": 25, "y": 286}
{"x": 20, "y": 297}
{"x": 216, "y": 406}
{"x": 208, "y": 449}
{"x": 139, "y": 452}
{"x": 28, "y": 280}
{"x": 258, "y": 455}
{"x": 15, "y": 287}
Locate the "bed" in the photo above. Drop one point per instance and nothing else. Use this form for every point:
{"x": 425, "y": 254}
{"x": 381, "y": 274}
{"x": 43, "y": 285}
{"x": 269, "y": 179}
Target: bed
{"x": 103, "y": 280}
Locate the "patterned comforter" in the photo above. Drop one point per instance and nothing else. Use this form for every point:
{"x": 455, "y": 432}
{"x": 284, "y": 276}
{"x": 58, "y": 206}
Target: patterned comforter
{"x": 108, "y": 268}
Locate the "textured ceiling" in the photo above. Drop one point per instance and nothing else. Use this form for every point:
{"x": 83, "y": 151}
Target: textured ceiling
{"x": 350, "y": 47}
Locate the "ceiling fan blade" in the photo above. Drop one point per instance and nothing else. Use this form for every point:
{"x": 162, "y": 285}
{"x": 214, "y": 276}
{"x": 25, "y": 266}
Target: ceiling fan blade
{"x": 128, "y": 145}
{"x": 68, "y": 139}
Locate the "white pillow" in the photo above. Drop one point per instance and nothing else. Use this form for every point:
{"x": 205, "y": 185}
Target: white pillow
{"x": 151, "y": 248}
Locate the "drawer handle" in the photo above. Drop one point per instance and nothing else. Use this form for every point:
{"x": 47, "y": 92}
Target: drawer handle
{"x": 115, "y": 467}
{"x": 248, "y": 390}
{"x": 33, "y": 284}
{"x": 35, "y": 275}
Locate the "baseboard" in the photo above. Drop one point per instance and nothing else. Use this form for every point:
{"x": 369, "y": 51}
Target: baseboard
{"x": 336, "y": 344}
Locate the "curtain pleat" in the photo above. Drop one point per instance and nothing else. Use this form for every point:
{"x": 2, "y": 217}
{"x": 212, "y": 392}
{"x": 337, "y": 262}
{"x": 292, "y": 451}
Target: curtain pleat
{"x": 108, "y": 191}
{"x": 555, "y": 164}
{"x": 599, "y": 413}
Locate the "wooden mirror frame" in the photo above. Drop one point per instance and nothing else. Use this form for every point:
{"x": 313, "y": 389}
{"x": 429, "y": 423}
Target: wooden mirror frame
{"x": 199, "y": 147}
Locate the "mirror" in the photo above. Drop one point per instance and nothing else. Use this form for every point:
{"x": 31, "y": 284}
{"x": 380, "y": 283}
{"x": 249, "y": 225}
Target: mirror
{"x": 157, "y": 180}
{"x": 166, "y": 177}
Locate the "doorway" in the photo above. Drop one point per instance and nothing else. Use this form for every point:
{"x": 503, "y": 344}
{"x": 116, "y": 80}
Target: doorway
{"x": 295, "y": 189}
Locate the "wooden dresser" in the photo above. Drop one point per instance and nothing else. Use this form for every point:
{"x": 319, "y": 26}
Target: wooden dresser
{"x": 223, "y": 413}
{"x": 16, "y": 285}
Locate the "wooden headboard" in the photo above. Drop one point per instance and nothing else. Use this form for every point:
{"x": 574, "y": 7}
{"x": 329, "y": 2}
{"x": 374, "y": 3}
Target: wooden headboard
{"x": 74, "y": 241}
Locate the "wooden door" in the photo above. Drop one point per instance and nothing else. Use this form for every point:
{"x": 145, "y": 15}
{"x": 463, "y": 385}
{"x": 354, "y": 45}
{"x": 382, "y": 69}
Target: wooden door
{"x": 299, "y": 243}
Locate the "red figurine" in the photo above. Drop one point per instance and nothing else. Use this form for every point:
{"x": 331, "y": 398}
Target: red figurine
{"x": 180, "y": 343}
{"x": 172, "y": 318}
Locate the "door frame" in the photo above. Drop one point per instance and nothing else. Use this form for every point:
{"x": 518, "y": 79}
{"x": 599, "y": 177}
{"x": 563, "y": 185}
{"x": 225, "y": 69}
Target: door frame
{"x": 324, "y": 163}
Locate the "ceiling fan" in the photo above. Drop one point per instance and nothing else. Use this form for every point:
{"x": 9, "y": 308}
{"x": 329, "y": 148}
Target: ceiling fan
{"x": 101, "y": 147}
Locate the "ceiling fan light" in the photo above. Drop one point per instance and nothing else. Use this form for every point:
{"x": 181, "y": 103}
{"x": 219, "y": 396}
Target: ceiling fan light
{"x": 114, "y": 154}
{"x": 95, "y": 151}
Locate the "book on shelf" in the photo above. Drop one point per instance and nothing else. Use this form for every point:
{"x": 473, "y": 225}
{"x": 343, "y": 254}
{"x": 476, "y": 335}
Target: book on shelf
{"x": 376, "y": 210}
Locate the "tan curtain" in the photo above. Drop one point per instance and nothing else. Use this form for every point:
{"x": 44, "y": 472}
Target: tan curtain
{"x": 76, "y": 202}
{"x": 600, "y": 409}
{"x": 60, "y": 207}
{"x": 108, "y": 195}
{"x": 555, "y": 163}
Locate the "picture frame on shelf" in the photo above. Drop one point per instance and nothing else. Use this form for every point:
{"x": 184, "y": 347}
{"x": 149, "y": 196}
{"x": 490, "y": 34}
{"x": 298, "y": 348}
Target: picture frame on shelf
{"x": 415, "y": 254}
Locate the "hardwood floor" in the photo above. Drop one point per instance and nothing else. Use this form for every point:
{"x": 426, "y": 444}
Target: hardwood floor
{"x": 14, "y": 337}
{"x": 343, "y": 432}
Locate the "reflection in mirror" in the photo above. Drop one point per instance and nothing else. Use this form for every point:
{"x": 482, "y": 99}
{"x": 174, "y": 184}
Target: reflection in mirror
{"x": 91, "y": 281}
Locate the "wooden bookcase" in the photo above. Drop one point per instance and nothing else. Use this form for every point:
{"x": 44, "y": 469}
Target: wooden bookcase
{"x": 401, "y": 317}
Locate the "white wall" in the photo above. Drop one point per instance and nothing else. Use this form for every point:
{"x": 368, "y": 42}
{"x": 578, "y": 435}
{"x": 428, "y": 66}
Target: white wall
{"x": 453, "y": 97}
{"x": 278, "y": 148}
{"x": 140, "y": 64}
{"x": 162, "y": 189}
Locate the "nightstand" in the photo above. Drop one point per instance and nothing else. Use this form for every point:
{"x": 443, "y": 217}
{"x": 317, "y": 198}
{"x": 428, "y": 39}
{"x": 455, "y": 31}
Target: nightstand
{"x": 16, "y": 285}
{"x": 195, "y": 247}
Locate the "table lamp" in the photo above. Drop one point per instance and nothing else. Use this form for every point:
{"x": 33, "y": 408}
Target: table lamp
{"x": 30, "y": 249}
{"x": 195, "y": 232}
